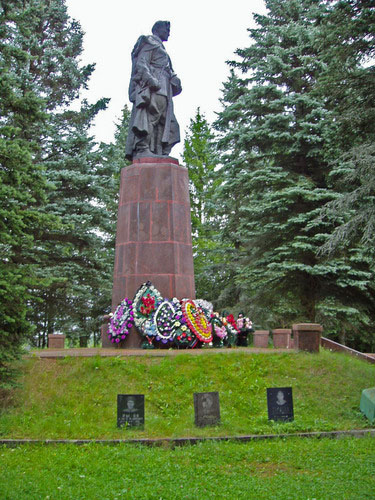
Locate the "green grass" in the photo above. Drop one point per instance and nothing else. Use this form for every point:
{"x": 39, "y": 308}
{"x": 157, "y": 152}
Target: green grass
{"x": 76, "y": 397}
{"x": 299, "y": 469}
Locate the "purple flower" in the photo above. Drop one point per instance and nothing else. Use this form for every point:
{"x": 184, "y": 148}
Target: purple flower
{"x": 117, "y": 340}
{"x": 112, "y": 340}
{"x": 123, "y": 336}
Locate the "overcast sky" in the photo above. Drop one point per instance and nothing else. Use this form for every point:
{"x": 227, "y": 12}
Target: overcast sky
{"x": 204, "y": 34}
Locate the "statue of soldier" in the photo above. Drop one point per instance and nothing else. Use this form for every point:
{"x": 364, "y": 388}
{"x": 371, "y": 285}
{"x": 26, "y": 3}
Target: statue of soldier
{"x": 153, "y": 128}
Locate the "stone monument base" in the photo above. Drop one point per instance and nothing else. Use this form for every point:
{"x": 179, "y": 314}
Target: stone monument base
{"x": 153, "y": 240}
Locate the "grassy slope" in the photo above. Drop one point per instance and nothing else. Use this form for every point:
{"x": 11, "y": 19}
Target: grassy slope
{"x": 76, "y": 398}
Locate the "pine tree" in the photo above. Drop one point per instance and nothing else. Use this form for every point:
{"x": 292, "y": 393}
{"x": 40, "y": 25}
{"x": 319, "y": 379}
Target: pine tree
{"x": 277, "y": 141}
{"x": 113, "y": 157}
{"x": 71, "y": 257}
{"x": 199, "y": 156}
{"x": 75, "y": 256}
{"x": 348, "y": 83}
{"x": 22, "y": 191}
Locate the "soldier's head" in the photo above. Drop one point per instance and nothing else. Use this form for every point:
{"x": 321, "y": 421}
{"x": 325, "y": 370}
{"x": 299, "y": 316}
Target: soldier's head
{"x": 161, "y": 29}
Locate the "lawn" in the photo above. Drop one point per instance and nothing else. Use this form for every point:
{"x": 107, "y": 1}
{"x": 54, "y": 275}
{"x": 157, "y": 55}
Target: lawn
{"x": 299, "y": 469}
{"x": 75, "y": 398}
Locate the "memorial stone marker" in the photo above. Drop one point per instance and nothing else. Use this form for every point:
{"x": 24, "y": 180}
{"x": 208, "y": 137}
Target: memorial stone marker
{"x": 130, "y": 410}
{"x": 206, "y": 408}
{"x": 367, "y": 404}
{"x": 280, "y": 404}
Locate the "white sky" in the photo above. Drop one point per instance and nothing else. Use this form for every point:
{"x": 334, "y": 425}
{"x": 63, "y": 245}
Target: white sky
{"x": 204, "y": 34}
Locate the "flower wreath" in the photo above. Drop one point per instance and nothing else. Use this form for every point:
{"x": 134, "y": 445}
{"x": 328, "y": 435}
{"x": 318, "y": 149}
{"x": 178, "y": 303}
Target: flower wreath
{"x": 231, "y": 338}
{"x": 164, "y": 321}
{"x": 218, "y": 328}
{"x": 121, "y": 321}
{"x": 196, "y": 320}
{"x": 144, "y": 305}
{"x": 207, "y": 307}
{"x": 184, "y": 338}
{"x": 232, "y": 322}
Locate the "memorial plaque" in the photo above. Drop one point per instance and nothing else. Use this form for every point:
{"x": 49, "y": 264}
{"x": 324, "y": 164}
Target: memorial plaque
{"x": 130, "y": 410}
{"x": 280, "y": 404}
{"x": 367, "y": 404}
{"x": 206, "y": 408}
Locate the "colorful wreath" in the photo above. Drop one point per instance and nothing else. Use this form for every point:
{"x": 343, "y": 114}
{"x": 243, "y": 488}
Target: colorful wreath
{"x": 183, "y": 338}
{"x": 144, "y": 304}
{"x": 164, "y": 321}
{"x": 219, "y": 330}
{"x": 121, "y": 321}
{"x": 232, "y": 322}
{"x": 207, "y": 307}
{"x": 231, "y": 338}
{"x": 196, "y": 321}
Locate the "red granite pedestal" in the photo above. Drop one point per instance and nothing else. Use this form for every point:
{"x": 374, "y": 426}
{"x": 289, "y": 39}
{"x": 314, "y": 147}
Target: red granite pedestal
{"x": 260, "y": 338}
{"x": 307, "y": 336}
{"x": 153, "y": 241}
{"x": 56, "y": 341}
{"x": 282, "y": 338}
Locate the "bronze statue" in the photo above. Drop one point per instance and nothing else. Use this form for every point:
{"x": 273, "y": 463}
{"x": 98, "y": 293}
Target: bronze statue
{"x": 153, "y": 129}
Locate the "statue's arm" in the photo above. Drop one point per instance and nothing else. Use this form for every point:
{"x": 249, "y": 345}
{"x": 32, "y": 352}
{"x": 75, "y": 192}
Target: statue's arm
{"x": 143, "y": 71}
{"x": 176, "y": 85}
{"x": 175, "y": 81}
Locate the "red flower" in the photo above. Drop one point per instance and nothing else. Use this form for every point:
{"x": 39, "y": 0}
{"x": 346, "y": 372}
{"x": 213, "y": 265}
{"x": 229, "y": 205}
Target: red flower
{"x": 149, "y": 303}
{"x": 232, "y": 321}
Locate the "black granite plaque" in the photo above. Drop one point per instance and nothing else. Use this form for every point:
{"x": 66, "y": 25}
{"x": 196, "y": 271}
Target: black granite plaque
{"x": 280, "y": 404}
{"x": 130, "y": 410}
{"x": 206, "y": 408}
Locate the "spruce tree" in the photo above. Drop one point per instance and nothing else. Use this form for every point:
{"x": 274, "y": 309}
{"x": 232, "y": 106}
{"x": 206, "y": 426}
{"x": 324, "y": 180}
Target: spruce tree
{"x": 199, "y": 156}
{"x": 71, "y": 257}
{"x": 277, "y": 141}
{"x": 75, "y": 255}
{"x": 22, "y": 190}
{"x": 347, "y": 44}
